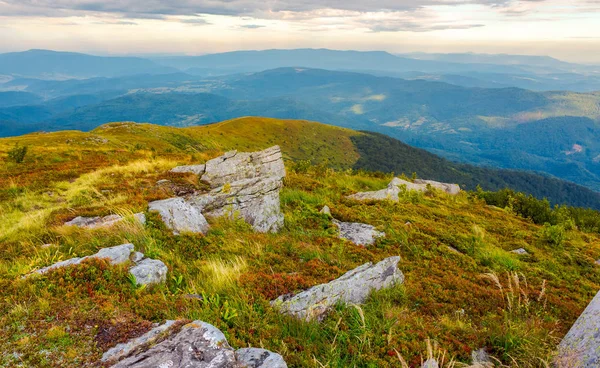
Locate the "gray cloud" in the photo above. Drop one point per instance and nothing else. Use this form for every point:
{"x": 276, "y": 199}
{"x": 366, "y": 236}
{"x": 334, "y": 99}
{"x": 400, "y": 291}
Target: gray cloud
{"x": 195, "y": 21}
{"x": 408, "y": 26}
{"x": 252, "y": 26}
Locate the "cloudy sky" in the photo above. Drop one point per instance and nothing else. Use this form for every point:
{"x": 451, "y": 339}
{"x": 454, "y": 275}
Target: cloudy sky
{"x": 568, "y": 29}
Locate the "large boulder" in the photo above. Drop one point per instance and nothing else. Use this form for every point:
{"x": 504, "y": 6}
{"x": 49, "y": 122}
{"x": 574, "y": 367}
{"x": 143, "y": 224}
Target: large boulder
{"x": 359, "y": 234}
{"x": 255, "y": 200}
{"x": 234, "y": 166}
{"x": 102, "y": 222}
{"x": 180, "y": 216}
{"x": 196, "y": 344}
{"x": 581, "y": 346}
{"x": 115, "y": 255}
{"x": 353, "y": 287}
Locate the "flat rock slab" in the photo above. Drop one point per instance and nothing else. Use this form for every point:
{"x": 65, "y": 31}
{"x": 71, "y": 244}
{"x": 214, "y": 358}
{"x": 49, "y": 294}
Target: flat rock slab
{"x": 359, "y": 234}
{"x": 180, "y": 216}
{"x": 197, "y": 344}
{"x": 102, "y": 222}
{"x": 116, "y": 255}
{"x": 581, "y": 346}
{"x": 354, "y": 287}
{"x": 396, "y": 185}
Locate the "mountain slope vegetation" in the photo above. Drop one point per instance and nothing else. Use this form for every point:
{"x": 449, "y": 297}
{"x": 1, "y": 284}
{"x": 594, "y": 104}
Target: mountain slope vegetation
{"x": 455, "y": 252}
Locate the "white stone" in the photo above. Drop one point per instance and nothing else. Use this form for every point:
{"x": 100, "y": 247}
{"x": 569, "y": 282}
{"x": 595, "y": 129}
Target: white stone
{"x": 259, "y": 358}
{"x": 359, "y": 234}
{"x": 149, "y": 271}
{"x": 180, "y": 216}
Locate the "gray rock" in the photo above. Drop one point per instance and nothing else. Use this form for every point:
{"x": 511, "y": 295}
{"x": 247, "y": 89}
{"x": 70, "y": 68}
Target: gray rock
{"x": 326, "y": 210}
{"x": 136, "y": 257}
{"x": 198, "y": 344}
{"x": 353, "y": 287}
{"x": 116, "y": 255}
{"x": 234, "y": 166}
{"x": 101, "y": 222}
{"x": 397, "y": 185}
{"x": 163, "y": 182}
{"x": 520, "y": 251}
{"x": 255, "y": 200}
{"x": 430, "y": 363}
{"x": 581, "y": 346}
{"x": 359, "y": 234}
{"x": 259, "y": 358}
{"x": 180, "y": 216}
{"x": 149, "y": 271}
{"x": 452, "y": 189}
{"x": 480, "y": 358}
{"x": 122, "y": 350}
{"x": 192, "y": 169}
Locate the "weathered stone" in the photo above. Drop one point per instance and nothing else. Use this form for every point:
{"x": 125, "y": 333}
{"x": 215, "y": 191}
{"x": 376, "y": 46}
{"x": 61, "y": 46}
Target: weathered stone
{"x": 115, "y": 255}
{"x": 359, "y": 234}
{"x": 353, "y": 287}
{"x": 520, "y": 251}
{"x": 163, "y": 182}
{"x": 198, "y": 344}
{"x": 192, "y": 169}
{"x": 394, "y": 188}
{"x": 480, "y": 358}
{"x": 259, "y": 358}
{"x": 149, "y": 271}
{"x": 581, "y": 346}
{"x": 100, "y": 222}
{"x": 234, "y": 166}
{"x": 326, "y": 210}
{"x": 122, "y": 350}
{"x": 452, "y": 189}
{"x": 136, "y": 257}
{"x": 255, "y": 200}
{"x": 180, "y": 216}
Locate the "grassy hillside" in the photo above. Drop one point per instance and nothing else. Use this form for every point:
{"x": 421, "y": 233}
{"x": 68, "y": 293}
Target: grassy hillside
{"x": 301, "y": 140}
{"x": 451, "y": 295}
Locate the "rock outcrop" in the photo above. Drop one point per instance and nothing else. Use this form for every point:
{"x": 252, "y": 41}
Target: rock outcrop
{"x": 179, "y": 215}
{"x": 101, "y": 222}
{"x": 146, "y": 270}
{"x": 397, "y": 185}
{"x": 353, "y": 287}
{"x": 190, "y": 169}
{"x": 581, "y": 346}
{"x": 243, "y": 184}
{"x": 359, "y": 234}
{"x": 196, "y": 344}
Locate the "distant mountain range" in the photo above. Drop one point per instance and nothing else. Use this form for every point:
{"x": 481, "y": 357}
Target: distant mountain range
{"x": 552, "y": 132}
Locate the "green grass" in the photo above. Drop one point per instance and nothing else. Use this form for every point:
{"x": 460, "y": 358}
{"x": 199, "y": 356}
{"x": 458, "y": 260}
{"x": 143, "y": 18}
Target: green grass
{"x": 71, "y": 316}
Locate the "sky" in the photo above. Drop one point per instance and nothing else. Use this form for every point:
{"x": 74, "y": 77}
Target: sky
{"x": 569, "y": 29}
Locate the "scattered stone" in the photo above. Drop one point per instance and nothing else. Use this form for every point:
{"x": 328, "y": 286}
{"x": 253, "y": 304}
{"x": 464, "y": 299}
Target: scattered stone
{"x": 163, "y": 182}
{"x": 180, "y": 216}
{"x": 101, "y": 222}
{"x": 394, "y": 188}
{"x": 326, "y": 210}
{"x": 234, "y": 166}
{"x": 353, "y": 287}
{"x": 359, "y": 234}
{"x": 581, "y": 346}
{"x": 122, "y": 350}
{"x": 194, "y": 296}
{"x": 480, "y": 358}
{"x": 430, "y": 363}
{"x": 149, "y": 271}
{"x": 116, "y": 255}
{"x": 408, "y": 223}
{"x": 259, "y": 358}
{"x": 192, "y": 169}
{"x": 47, "y": 245}
{"x": 452, "y": 189}
{"x": 136, "y": 257}
{"x": 198, "y": 344}
{"x": 598, "y": 262}
{"x": 520, "y": 251}
{"x": 453, "y": 250}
